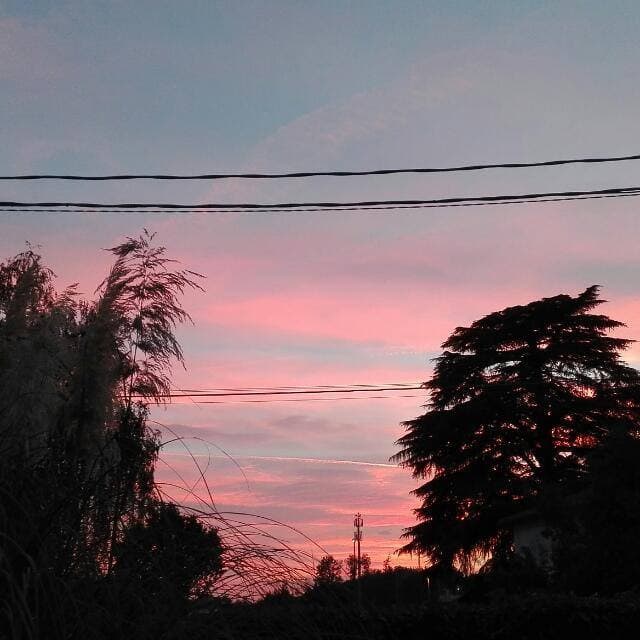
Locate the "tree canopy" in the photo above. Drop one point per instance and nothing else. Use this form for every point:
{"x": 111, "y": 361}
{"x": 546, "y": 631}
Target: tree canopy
{"x": 328, "y": 571}
{"x": 77, "y": 490}
{"x": 170, "y": 554}
{"x": 517, "y": 402}
{"x": 76, "y": 379}
{"x": 351, "y": 565}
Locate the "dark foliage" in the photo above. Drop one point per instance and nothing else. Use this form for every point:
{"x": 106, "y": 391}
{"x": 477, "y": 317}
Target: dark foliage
{"x": 536, "y": 617}
{"x": 518, "y": 400}
{"x": 505, "y": 575}
{"x": 351, "y": 565}
{"x": 78, "y": 454}
{"x": 597, "y": 548}
{"x": 328, "y": 571}
{"x": 279, "y": 596}
{"x": 169, "y": 555}
{"x": 398, "y": 587}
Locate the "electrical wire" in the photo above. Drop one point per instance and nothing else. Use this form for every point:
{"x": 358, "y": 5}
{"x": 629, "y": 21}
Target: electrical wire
{"x": 324, "y": 210}
{"x": 268, "y": 394}
{"x": 311, "y": 174}
{"x": 271, "y": 400}
{"x": 322, "y": 206}
{"x": 216, "y": 394}
{"x": 334, "y": 387}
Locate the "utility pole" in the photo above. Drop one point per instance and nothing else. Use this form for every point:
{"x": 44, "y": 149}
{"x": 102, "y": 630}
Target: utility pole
{"x": 357, "y": 537}
{"x": 355, "y": 568}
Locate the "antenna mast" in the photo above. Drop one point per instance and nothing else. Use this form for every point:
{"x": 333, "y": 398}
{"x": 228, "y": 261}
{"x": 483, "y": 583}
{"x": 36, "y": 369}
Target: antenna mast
{"x": 357, "y": 537}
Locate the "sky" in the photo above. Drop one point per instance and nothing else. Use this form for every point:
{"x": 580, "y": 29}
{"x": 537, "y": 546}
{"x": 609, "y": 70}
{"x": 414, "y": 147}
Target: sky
{"x": 331, "y": 298}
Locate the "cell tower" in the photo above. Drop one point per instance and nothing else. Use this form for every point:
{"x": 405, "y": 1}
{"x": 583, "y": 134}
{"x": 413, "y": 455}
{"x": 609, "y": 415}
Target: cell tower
{"x": 357, "y": 538}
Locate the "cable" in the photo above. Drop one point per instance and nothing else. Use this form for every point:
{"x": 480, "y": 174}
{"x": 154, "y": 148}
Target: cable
{"x": 195, "y": 394}
{"x": 189, "y": 404}
{"x": 311, "y": 174}
{"x": 365, "y": 204}
{"x": 217, "y": 394}
{"x": 324, "y": 210}
{"x": 334, "y": 387}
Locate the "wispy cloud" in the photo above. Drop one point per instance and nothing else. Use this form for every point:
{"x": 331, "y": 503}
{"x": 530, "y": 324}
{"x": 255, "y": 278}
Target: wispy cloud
{"x": 358, "y": 463}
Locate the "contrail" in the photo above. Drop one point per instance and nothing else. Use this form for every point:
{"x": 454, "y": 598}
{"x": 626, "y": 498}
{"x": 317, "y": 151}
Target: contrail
{"x": 319, "y": 461}
{"x": 294, "y": 459}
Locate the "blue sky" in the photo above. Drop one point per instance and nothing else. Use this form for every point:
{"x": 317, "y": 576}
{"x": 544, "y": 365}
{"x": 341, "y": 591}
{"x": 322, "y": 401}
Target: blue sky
{"x": 117, "y": 84}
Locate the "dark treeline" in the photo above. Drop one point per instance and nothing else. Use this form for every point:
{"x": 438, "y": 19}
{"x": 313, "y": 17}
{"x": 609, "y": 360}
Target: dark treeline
{"x": 528, "y": 456}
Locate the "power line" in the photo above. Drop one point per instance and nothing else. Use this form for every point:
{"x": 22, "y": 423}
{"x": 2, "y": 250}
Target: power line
{"x": 321, "y": 206}
{"x": 305, "y": 391}
{"x": 273, "y": 394}
{"x": 311, "y": 174}
{"x": 323, "y": 209}
{"x": 272, "y": 400}
{"x": 334, "y": 387}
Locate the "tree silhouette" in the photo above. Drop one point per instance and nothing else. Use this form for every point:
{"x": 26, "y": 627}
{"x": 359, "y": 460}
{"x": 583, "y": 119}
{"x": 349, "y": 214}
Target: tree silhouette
{"x": 169, "y": 554}
{"x": 78, "y": 454}
{"x": 518, "y": 400}
{"x": 351, "y": 565}
{"x": 328, "y": 571}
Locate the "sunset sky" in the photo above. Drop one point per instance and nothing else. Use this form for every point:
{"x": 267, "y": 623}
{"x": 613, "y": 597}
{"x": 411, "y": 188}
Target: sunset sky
{"x": 327, "y": 298}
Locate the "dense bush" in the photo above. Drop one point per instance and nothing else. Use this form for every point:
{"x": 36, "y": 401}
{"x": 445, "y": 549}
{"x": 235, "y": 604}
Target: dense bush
{"x": 505, "y": 574}
{"x": 169, "y": 556}
{"x": 399, "y": 586}
{"x": 546, "y": 617}
{"x": 597, "y": 547}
